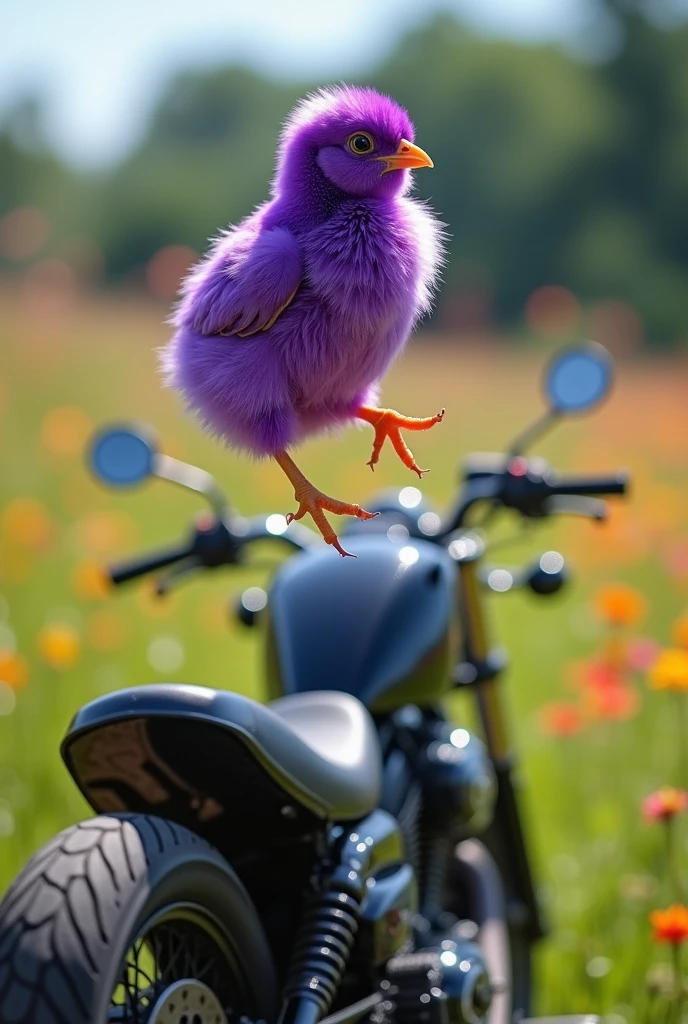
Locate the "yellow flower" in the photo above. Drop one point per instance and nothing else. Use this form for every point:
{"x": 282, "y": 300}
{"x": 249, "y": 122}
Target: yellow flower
{"x": 670, "y": 671}
{"x": 620, "y": 605}
{"x": 59, "y": 645}
{"x": 679, "y": 632}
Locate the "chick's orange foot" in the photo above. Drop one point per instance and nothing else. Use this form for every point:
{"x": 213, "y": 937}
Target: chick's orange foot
{"x": 387, "y": 424}
{"x": 315, "y": 503}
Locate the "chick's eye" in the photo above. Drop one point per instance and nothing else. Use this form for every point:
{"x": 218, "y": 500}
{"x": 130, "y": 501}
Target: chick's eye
{"x": 360, "y": 143}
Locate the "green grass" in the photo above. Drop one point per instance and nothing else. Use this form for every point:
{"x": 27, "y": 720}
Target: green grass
{"x": 600, "y": 869}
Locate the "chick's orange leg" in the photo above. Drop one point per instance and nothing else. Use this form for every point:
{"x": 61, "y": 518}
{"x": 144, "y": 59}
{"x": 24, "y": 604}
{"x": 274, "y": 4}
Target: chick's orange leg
{"x": 314, "y": 502}
{"x": 387, "y": 424}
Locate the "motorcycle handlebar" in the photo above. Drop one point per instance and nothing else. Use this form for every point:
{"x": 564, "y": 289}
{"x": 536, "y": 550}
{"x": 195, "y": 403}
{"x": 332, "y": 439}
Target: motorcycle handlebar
{"x": 588, "y": 487}
{"x": 140, "y": 566}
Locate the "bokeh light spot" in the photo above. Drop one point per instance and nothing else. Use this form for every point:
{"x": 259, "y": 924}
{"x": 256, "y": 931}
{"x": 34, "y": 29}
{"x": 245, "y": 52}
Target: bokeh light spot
{"x": 6, "y": 821}
{"x": 409, "y": 555}
{"x": 276, "y": 524}
{"x": 409, "y": 497}
{"x": 8, "y": 701}
{"x": 166, "y": 654}
{"x": 398, "y": 533}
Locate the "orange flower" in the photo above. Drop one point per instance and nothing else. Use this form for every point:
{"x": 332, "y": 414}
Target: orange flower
{"x": 14, "y": 669}
{"x": 664, "y": 804}
{"x": 670, "y": 670}
{"x": 90, "y": 580}
{"x": 679, "y": 631}
{"x": 26, "y": 522}
{"x": 620, "y": 605}
{"x": 64, "y": 430}
{"x": 670, "y": 925}
{"x": 59, "y": 645}
{"x": 560, "y": 718}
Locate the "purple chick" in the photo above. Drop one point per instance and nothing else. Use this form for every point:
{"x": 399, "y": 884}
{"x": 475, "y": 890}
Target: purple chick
{"x": 289, "y": 323}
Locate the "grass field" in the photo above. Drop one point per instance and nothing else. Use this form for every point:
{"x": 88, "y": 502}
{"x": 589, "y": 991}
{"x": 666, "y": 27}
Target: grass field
{"x": 68, "y": 366}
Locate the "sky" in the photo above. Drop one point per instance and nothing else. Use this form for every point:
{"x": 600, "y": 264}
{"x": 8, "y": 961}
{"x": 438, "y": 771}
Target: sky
{"x": 99, "y": 65}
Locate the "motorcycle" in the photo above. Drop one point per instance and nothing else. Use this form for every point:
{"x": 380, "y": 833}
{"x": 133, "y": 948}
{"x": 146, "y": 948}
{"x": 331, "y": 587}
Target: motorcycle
{"x": 343, "y": 852}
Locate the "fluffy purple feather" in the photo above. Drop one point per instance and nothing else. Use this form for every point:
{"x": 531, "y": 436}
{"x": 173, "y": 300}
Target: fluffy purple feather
{"x": 316, "y": 292}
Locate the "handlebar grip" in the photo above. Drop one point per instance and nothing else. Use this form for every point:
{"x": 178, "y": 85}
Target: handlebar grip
{"x": 589, "y": 487}
{"x": 139, "y": 567}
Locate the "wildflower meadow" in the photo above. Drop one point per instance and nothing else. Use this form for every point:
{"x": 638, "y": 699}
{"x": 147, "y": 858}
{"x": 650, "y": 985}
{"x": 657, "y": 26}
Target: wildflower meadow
{"x": 598, "y": 684}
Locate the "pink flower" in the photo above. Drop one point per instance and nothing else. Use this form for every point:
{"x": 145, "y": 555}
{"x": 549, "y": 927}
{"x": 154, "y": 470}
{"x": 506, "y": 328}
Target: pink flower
{"x": 664, "y": 804}
{"x": 642, "y": 653}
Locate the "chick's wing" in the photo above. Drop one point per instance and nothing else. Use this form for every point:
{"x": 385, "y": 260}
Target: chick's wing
{"x": 248, "y": 284}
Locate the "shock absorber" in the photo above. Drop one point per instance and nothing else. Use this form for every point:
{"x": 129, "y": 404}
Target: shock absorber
{"x": 324, "y": 940}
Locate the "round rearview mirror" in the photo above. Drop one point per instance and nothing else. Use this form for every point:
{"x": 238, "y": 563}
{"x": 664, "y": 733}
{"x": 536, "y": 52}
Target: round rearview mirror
{"x": 122, "y": 456}
{"x": 579, "y": 378}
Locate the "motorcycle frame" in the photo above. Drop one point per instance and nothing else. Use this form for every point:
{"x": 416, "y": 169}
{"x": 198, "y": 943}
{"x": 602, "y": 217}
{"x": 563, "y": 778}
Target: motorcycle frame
{"x": 479, "y": 670}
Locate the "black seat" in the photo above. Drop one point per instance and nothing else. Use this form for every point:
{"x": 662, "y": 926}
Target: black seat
{"x": 321, "y": 747}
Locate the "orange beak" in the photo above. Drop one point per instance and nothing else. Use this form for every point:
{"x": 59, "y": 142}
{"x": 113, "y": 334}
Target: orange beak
{"x": 407, "y": 155}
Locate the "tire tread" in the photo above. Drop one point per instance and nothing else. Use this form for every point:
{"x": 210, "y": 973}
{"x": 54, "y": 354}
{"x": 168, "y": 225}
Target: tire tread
{"x": 93, "y": 865}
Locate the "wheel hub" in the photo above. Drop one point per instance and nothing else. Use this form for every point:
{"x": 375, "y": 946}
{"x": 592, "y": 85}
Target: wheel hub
{"x": 187, "y": 1002}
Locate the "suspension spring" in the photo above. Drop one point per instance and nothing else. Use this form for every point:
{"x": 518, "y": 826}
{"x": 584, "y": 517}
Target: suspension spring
{"x": 436, "y": 851}
{"x": 323, "y": 944}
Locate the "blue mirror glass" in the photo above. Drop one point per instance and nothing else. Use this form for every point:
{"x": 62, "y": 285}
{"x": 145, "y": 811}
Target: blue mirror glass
{"x": 122, "y": 456}
{"x": 579, "y": 378}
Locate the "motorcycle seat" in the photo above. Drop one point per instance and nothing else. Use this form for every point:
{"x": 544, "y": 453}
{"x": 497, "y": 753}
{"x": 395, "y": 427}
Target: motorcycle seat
{"x": 319, "y": 750}
{"x": 339, "y": 731}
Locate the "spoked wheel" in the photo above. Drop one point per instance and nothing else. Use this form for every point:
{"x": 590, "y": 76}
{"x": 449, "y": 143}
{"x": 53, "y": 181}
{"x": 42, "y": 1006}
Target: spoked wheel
{"x": 179, "y": 970}
{"x": 131, "y": 919}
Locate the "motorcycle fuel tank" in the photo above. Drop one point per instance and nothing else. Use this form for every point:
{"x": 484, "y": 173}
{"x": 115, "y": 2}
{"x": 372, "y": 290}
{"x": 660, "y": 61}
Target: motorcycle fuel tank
{"x": 380, "y": 626}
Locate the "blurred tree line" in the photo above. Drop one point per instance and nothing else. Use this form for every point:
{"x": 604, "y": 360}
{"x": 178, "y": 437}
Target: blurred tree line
{"x": 548, "y": 169}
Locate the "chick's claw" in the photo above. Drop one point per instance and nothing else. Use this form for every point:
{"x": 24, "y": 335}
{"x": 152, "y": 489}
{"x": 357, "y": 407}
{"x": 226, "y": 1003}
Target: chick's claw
{"x": 314, "y": 502}
{"x": 387, "y": 423}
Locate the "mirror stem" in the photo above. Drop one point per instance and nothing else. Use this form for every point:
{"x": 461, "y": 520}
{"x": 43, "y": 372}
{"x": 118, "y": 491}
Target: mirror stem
{"x": 167, "y": 468}
{"x": 534, "y": 431}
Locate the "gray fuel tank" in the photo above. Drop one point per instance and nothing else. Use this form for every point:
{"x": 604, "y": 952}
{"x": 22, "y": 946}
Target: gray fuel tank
{"x": 380, "y": 626}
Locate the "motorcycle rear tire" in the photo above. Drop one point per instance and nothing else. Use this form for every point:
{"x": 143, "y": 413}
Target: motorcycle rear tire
{"x": 121, "y": 883}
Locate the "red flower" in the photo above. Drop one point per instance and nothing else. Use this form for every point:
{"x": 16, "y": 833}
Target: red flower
{"x": 664, "y": 803}
{"x": 560, "y": 718}
{"x": 613, "y": 702}
{"x": 600, "y": 675}
{"x": 670, "y": 925}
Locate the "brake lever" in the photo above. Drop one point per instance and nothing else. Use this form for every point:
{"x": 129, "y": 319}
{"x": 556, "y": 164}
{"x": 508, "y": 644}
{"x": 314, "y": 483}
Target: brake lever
{"x": 574, "y": 505}
{"x": 188, "y": 567}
